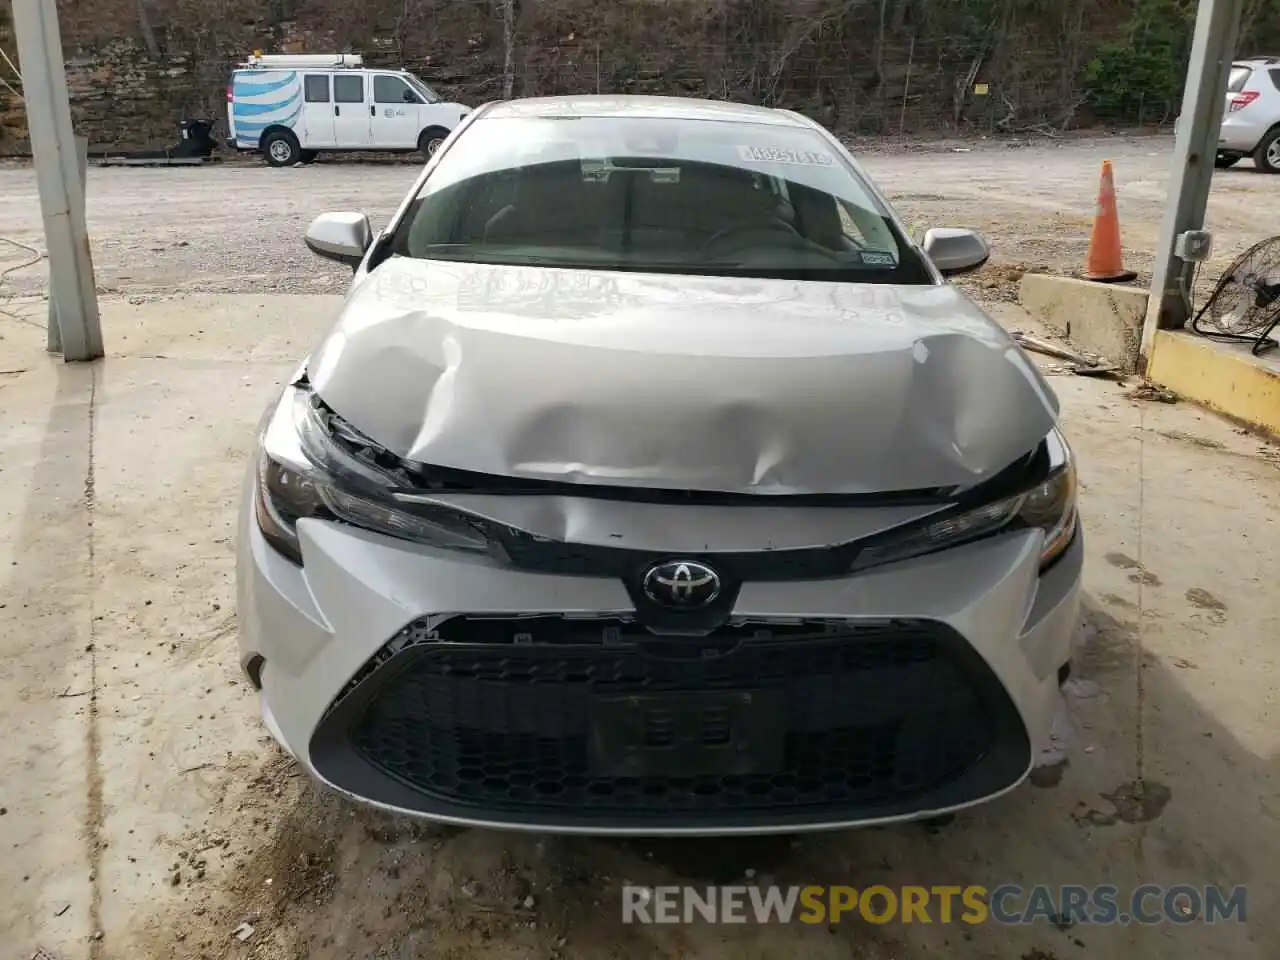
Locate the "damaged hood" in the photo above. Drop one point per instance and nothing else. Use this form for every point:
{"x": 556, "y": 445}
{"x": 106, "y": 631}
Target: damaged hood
{"x": 679, "y": 382}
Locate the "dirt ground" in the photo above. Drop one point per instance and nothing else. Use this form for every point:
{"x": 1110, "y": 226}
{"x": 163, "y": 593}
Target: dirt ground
{"x": 236, "y": 228}
{"x": 144, "y": 814}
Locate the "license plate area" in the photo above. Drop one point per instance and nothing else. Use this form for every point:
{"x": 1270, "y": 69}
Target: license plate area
{"x": 687, "y": 734}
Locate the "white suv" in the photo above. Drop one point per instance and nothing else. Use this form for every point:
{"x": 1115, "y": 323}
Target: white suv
{"x": 1251, "y": 124}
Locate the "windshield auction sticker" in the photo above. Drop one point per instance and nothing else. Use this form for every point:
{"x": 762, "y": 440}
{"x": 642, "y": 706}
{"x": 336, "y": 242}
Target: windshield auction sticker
{"x": 799, "y": 158}
{"x": 879, "y": 258}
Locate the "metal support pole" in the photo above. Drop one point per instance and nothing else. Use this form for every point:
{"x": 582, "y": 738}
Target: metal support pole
{"x": 1194, "y": 152}
{"x": 44, "y": 88}
{"x": 54, "y": 343}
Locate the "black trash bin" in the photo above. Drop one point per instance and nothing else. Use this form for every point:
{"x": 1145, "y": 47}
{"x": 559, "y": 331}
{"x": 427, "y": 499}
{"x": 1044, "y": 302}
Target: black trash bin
{"x": 197, "y": 139}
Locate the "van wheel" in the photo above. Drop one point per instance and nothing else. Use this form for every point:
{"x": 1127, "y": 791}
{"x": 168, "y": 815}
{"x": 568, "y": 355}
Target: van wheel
{"x": 1267, "y": 156}
{"x": 430, "y": 139}
{"x": 308, "y": 156}
{"x": 281, "y": 148}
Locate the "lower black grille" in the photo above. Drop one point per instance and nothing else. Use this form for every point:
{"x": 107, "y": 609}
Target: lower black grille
{"x": 601, "y": 721}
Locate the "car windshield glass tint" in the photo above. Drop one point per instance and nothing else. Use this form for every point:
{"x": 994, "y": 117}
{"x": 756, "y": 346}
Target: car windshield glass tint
{"x": 704, "y": 197}
{"x": 427, "y": 94}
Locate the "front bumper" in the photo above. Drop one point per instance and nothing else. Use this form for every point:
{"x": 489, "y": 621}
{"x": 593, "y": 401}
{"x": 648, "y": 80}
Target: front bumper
{"x": 446, "y": 686}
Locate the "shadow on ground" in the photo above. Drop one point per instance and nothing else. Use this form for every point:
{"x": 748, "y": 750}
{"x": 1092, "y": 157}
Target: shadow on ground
{"x": 329, "y": 879}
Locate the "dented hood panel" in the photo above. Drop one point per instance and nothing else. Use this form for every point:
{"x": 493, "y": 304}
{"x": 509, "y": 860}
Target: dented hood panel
{"x": 698, "y": 383}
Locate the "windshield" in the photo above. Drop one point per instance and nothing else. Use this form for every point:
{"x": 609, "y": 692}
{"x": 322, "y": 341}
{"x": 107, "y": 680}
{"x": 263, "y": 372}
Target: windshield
{"x": 423, "y": 90}
{"x": 708, "y": 197}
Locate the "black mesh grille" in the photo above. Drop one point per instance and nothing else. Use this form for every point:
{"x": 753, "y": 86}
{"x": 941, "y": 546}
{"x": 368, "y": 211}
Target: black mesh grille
{"x": 830, "y": 716}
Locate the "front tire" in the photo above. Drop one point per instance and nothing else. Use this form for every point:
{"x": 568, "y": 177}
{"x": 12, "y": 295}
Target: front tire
{"x": 429, "y": 141}
{"x": 281, "y": 148}
{"x": 1267, "y": 157}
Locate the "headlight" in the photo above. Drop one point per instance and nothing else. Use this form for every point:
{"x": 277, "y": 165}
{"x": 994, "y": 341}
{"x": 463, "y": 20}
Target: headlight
{"x": 1050, "y": 506}
{"x": 304, "y": 473}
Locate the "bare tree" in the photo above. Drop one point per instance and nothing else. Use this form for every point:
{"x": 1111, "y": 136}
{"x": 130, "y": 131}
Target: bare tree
{"x": 411, "y": 14}
{"x": 1249, "y": 16}
{"x": 799, "y": 35}
{"x": 879, "y": 54}
{"x": 1073, "y": 45}
{"x": 148, "y": 34}
{"x": 964, "y": 84}
{"x": 508, "y": 48}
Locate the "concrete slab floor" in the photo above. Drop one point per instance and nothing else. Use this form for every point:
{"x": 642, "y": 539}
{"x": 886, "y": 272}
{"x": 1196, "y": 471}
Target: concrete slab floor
{"x": 145, "y": 814}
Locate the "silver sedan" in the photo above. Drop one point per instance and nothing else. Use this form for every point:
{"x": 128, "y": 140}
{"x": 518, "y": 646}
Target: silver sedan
{"x": 653, "y": 480}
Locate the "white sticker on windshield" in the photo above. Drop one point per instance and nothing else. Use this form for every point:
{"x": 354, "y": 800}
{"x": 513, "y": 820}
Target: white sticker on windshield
{"x": 802, "y": 158}
{"x": 879, "y": 256}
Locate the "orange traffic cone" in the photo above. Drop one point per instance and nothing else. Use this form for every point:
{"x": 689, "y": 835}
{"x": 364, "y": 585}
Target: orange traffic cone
{"x": 1104, "y": 262}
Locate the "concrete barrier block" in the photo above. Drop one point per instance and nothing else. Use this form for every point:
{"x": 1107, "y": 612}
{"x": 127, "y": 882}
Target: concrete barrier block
{"x": 1103, "y": 318}
{"x": 1224, "y": 377}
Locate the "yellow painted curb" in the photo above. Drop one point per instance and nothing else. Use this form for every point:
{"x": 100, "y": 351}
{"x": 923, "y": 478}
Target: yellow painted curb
{"x": 1222, "y": 377}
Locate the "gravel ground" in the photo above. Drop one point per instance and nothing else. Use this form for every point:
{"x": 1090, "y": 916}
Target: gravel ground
{"x": 319, "y": 878}
{"x": 238, "y": 227}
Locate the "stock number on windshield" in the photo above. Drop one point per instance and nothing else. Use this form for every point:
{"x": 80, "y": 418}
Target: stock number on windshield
{"x": 805, "y": 158}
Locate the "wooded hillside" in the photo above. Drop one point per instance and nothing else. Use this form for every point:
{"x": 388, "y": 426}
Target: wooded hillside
{"x": 861, "y": 66}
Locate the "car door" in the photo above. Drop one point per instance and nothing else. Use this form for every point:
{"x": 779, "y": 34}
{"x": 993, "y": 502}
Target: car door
{"x": 317, "y": 112}
{"x": 351, "y": 108}
{"x": 395, "y": 118}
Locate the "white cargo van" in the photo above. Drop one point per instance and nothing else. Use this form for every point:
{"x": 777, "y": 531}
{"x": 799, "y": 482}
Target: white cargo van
{"x": 291, "y": 107}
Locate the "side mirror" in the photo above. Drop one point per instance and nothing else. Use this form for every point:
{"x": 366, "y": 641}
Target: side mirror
{"x": 955, "y": 251}
{"x": 343, "y": 237}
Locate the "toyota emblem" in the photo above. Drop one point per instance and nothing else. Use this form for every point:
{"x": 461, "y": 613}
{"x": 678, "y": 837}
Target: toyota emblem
{"x": 683, "y": 584}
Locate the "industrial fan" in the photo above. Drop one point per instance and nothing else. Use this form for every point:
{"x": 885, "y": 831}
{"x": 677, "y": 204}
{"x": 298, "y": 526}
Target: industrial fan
{"x": 1245, "y": 305}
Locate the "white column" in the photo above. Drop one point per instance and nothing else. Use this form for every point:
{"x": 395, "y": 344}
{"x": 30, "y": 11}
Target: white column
{"x": 54, "y": 342}
{"x": 53, "y": 149}
{"x": 1194, "y": 152}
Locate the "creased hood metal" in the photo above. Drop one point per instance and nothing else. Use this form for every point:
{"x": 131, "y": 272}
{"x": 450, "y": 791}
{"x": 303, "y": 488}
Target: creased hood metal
{"x": 678, "y": 382}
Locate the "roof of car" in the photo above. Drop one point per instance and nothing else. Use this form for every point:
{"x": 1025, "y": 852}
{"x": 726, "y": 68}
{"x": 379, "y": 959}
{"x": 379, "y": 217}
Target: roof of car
{"x": 1256, "y": 62}
{"x": 673, "y": 108}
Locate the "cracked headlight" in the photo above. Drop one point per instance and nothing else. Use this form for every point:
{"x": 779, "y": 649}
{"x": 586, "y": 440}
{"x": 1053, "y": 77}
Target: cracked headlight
{"x": 304, "y": 473}
{"x": 1049, "y": 506}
